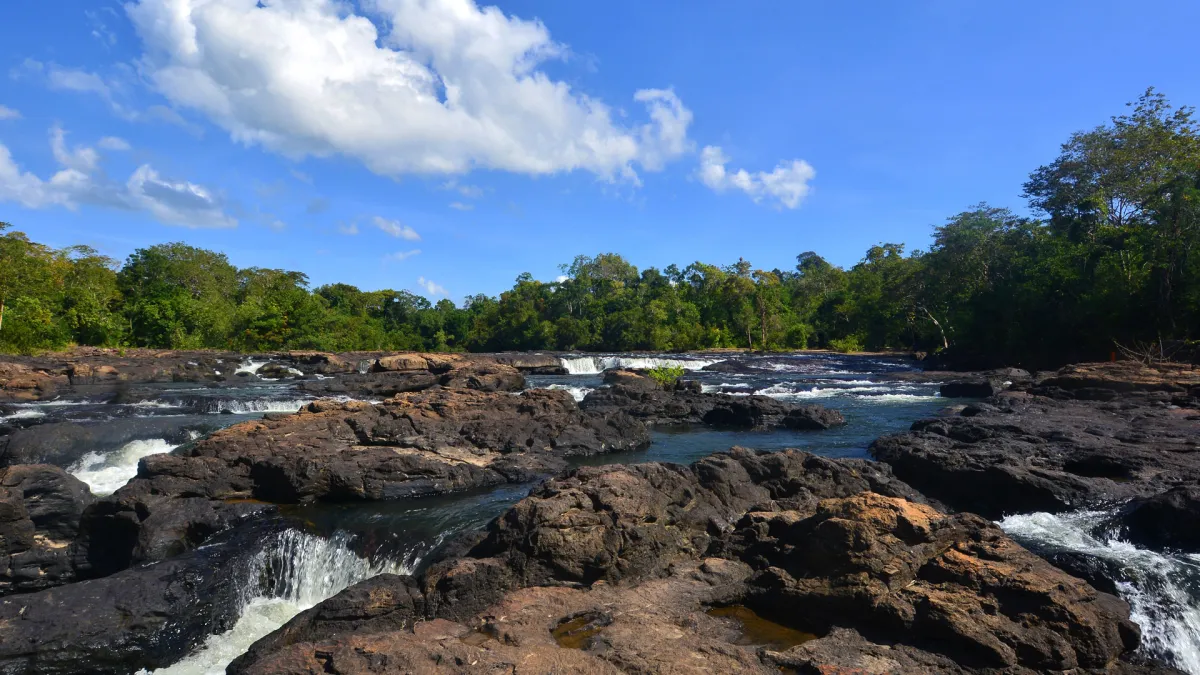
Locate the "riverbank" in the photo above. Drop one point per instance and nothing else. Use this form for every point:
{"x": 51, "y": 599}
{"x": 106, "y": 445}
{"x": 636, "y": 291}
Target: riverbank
{"x": 728, "y": 546}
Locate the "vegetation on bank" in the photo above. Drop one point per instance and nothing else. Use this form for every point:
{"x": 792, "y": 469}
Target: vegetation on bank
{"x": 1112, "y": 259}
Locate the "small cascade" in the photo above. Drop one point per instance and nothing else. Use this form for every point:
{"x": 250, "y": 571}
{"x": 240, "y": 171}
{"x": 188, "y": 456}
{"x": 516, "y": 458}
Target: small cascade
{"x": 365, "y": 365}
{"x": 250, "y": 367}
{"x": 1163, "y": 590}
{"x": 591, "y": 365}
{"x": 105, "y": 473}
{"x": 577, "y": 393}
{"x": 293, "y": 572}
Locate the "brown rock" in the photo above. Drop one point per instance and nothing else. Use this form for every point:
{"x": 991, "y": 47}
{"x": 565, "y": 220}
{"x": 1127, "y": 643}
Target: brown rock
{"x": 40, "y": 509}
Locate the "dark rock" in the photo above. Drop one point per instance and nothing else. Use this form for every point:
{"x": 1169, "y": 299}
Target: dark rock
{"x": 971, "y": 389}
{"x": 40, "y": 510}
{"x": 1024, "y": 453}
{"x": 644, "y": 399}
{"x": 611, "y": 570}
{"x": 145, "y": 617}
{"x": 1168, "y": 520}
{"x": 65, "y": 443}
{"x": 534, "y": 364}
{"x": 414, "y": 445}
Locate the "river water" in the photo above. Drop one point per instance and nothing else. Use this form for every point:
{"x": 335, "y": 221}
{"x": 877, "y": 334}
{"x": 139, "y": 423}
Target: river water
{"x": 343, "y": 544}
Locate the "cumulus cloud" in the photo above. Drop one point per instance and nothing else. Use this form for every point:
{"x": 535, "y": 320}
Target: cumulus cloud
{"x": 396, "y": 229}
{"x": 432, "y": 288}
{"x": 7, "y": 113}
{"x": 447, "y": 87}
{"x": 787, "y": 184}
{"x": 401, "y": 256}
{"x": 81, "y": 181}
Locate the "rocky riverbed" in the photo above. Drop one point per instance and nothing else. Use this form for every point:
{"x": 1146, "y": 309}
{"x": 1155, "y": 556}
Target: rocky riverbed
{"x": 927, "y": 559}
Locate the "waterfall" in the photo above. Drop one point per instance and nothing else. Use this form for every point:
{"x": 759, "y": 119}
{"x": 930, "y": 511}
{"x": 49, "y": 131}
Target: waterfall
{"x": 365, "y": 365}
{"x": 293, "y": 572}
{"x": 105, "y": 473}
{"x": 1163, "y": 590}
{"x": 591, "y": 365}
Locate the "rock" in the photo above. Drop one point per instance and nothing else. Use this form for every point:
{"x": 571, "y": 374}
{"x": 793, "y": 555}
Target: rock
{"x": 40, "y": 510}
{"x": 623, "y": 569}
{"x": 1026, "y": 453}
{"x": 1121, "y": 377}
{"x": 642, "y": 398}
{"x": 146, "y": 617}
{"x": 402, "y": 362}
{"x": 278, "y": 371}
{"x": 535, "y": 364}
{"x": 414, "y": 445}
{"x": 971, "y": 389}
{"x": 373, "y": 385}
{"x": 321, "y": 362}
{"x": 939, "y": 582}
{"x": 484, "y": 377}
{"x": 65, "y": 443}
{"x": 1168, "y": 520}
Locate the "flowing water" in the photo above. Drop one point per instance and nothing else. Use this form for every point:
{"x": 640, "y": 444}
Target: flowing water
{"x": 343, "y": 544}
{"x": 1162, "y": 589}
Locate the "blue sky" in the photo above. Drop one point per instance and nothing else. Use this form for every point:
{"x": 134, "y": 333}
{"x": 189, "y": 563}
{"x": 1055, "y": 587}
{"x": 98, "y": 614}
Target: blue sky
{"x": 445, "y": 147}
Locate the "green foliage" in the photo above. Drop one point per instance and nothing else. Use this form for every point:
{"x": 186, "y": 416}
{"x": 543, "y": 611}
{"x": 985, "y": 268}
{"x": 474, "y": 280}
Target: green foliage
{"x": 1115, "y": 258}
{"x": 846, "y": 345}
{"x": 666, "y": 376}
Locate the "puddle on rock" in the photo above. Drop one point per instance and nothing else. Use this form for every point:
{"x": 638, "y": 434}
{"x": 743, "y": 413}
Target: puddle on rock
{"x": 577, "y": 632}
{"x": 759, "y": 632}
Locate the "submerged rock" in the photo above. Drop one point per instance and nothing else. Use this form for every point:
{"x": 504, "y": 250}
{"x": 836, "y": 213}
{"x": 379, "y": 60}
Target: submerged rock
{"x": 616, "y": 569}
{"x": 684, "y": 403}
{"x": 1168, "y": 520}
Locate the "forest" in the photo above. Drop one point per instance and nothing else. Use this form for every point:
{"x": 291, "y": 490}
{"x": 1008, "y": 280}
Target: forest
{"x": 1106, "y": 260}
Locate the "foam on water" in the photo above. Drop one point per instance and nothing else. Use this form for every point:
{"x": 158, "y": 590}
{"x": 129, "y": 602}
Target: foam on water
{"x": 591, "y": 365}
{"x": 250, "y": 366}
{"x": 292, "y": 573}
{"x": 577, "y": 393}
{"x": 258, "y": 405}
{"x": 108, "y": 472}
{"x": 1163, "y": 590}
{"x": 23, "y": 415}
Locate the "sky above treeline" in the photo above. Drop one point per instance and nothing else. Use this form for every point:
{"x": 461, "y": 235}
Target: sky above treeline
{"x": 444, "y": 147}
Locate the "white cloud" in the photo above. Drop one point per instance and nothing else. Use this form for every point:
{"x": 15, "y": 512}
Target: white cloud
{"x": 468, "y": 191}
{"x": 401, "y": 256}
{"x": 350, "y": 229}
{"x": 447, "y": 87}
{"x": 561, "y": 278}
{"x": 113, "y": 143}
{"x": 788, "y": 183}
{"x": 459, "y": 206}
{"x": 396, "y": 229}
{"x": 81, "y": 181}
{"x": 432, "y": 288}
{"x": 7, "y": 113}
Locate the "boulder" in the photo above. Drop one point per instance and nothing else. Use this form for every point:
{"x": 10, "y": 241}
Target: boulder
{"x": 1026, "y": 453}
{"x": 1167, "y": 520}
{"x": 40, "y": 510}
{"x": 534, "y": 364}
{"x": 414, "y": 445}
{"x": 644, "y": 399}
{"x": 971, "y": 389}
{"x": 637, "y": 569}
{"x": 142, "y": 618}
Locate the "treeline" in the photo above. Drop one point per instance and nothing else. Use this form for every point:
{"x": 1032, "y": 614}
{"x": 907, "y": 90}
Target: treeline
{"x": 1110, "y": 261}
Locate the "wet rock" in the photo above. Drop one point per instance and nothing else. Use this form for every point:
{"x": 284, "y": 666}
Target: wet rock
{"x": 40, "y": 510}
{"x": 971, "y": 389}
{"x": 414, "y": 445}
{"x": 278, "y": 371}
{"x": 484, "y": 377}
{"x": 65, "y": 443}
{"x": 618, "y": 569}
{"x": 1168, "y": 520}
{"x": 1026, "y": 453}
{"x": 145, "y": 617}
{"x": 644, "y": 399}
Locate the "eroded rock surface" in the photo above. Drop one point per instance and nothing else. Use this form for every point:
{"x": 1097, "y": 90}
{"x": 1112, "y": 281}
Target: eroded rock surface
{"x": 415, "y": 444}
{"x": 619, "y": 568}
{"x": 40, "y": 508}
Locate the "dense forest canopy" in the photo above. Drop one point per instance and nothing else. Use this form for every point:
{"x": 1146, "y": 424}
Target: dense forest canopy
{"x": 1111, "y": 260}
